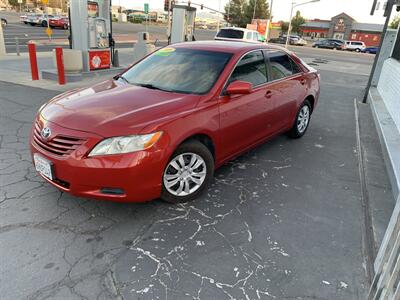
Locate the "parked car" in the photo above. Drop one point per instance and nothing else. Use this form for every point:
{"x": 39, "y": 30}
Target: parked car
{"x": 23, "y": 19}
{"x": 239, "y": 34}
{"x": 328, "y": 44}
{"x": 59, "y": 22}
{"x": 293, "y": 40}
{"x": 372, "y": 50}
{"x": 356, "y": 46}
{"x": 38, "y": 19}
{"x": 118, "y": 146}
{"x": 4, "y": 22}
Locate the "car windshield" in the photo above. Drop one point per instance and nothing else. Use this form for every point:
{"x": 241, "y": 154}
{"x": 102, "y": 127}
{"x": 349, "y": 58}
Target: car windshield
{"x": 230, "y": 33}
{"x": 179, "y": 70}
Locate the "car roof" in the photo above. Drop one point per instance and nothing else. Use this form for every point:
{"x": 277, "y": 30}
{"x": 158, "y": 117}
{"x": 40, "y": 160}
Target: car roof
{"x": 226, "y": 46}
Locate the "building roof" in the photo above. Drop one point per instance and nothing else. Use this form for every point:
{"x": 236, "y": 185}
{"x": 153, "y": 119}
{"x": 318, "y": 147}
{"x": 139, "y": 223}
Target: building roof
{"x": 316, "y": 24}
{"x": 367, "y": 27}
{"x": 343, "y": 15}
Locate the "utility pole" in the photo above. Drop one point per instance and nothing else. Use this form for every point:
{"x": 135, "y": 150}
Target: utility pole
{"x": 388, "y": 13}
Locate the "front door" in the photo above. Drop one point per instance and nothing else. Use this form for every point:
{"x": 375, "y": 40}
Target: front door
{"x": 243, "y": 118}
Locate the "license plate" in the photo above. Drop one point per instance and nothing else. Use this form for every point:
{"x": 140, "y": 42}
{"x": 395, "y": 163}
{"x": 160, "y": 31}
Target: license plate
{"x": 43, "y": 166}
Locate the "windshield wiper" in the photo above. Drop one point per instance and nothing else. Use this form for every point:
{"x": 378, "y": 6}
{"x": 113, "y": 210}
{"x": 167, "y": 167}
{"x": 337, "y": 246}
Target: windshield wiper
{"x": 151, "y": 86}
{"x": 116, "y": 77}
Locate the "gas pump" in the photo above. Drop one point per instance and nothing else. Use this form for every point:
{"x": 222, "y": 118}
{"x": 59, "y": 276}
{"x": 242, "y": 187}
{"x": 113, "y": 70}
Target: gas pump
{"x": 91, "y": 32}
{"x": 182, "y": 25}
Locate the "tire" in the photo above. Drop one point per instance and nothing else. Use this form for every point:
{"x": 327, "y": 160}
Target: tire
{"x": 32, "y": 24}
{"x": 298, "y": 131}
{"x": 316, "y": 46}
{"x": 65, "y": 26}
{"x": 44, "y": 23}
{"x": 176, "y": 174}
{"x": 357, "y": 50}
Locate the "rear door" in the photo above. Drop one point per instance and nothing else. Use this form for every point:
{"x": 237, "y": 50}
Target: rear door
{"x": 244, "y": 118}
{"x": 286, "y": 89}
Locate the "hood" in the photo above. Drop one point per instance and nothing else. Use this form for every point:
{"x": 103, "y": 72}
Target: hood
{"x": 112, "y": 108}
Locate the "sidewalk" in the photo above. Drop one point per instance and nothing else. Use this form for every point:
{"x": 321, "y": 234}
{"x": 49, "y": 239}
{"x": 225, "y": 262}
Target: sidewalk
{"x": 16, "y": 69}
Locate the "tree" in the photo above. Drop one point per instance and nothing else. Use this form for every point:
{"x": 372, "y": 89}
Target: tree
{"x": 297, "y": 21}
{"x": 15, "y": 2}
{"x": 395, "y": 22}
{"x": 261, "y": 12}
{"x": 284, "y": 26}
{"x": 241, "y": 11}
{"x": 236, "y": 9}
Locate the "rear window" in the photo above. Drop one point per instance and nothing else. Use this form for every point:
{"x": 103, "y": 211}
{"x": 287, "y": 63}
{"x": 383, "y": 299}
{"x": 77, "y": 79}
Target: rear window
{"x": 230, "y": 33}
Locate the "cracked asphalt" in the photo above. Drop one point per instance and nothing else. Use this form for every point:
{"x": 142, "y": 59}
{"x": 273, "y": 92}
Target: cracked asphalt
{"x": 283, "y": 221}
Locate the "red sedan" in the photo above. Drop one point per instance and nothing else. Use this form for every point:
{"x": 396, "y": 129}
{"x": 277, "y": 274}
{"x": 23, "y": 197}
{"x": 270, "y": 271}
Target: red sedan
{"x": 59, "y": 22}
{"x": 162, "y": 127}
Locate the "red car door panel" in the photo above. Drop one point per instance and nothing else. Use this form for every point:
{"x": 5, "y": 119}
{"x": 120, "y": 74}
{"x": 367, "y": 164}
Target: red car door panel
{"x": 244, "y": 118}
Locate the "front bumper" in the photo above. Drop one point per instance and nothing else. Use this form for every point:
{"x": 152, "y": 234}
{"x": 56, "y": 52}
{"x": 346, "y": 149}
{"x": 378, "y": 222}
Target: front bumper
{"x": 138, "y": 175}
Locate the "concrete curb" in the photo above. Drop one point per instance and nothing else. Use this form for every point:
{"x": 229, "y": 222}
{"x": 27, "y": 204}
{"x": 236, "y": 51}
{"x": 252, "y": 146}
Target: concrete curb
{"x": 389, "y": 137}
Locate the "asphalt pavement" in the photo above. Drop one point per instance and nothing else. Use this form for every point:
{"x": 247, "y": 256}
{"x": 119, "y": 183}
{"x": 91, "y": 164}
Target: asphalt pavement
{"x": 284, "y": 221}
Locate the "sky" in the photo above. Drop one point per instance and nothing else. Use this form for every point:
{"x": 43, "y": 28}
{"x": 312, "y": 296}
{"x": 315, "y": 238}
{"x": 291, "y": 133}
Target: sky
{"x": 325, "y": 9}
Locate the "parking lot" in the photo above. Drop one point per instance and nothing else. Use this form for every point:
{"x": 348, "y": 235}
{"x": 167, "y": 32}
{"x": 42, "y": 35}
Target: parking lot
{"x": 284, "y": 221}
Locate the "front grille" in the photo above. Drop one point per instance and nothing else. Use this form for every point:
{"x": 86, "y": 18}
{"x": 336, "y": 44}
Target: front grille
{"x": 59, "y": 145}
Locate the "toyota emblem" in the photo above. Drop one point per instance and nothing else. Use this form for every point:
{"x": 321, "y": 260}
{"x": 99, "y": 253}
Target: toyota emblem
{"x": 45, "y": 133}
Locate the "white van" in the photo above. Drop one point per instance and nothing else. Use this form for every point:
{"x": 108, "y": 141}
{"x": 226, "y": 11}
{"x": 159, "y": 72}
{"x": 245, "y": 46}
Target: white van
{"x": 239, "y": 34}
{"x": 357, "y": 46}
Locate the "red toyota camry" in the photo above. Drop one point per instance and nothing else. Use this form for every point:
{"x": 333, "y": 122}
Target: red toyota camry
{"x": 162, "y": 127}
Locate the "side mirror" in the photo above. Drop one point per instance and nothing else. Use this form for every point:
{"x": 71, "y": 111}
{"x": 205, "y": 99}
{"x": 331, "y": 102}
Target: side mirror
{"x": 239, "y": 88}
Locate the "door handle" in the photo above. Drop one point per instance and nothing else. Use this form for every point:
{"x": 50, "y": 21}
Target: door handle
{"x": 268, "y": 94}
{"x": 303, "y": 81}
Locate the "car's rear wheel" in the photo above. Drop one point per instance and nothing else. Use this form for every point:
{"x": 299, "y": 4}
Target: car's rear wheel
{"x": 302, "y": 120}
{"x": 188, "y": 173}
{"x": 358, "y": 50}
{"x": 65, "y": 26}
{"x": 44, "y": 23}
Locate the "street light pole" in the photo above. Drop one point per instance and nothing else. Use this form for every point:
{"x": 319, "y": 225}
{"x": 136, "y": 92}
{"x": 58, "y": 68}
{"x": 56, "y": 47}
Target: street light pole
{"x": 219, "y": 13}
{"x": 290, "y": 21}
{"x": 254, "y": 10}
{"x": 269, "y": 22}
{"x": 229, "y": 11}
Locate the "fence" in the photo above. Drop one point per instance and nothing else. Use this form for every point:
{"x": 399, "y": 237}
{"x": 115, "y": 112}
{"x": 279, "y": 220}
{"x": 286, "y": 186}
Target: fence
{"x": 386, "y": 283}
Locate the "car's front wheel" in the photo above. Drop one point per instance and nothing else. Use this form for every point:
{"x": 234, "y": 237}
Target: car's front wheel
{"x": 188, "y": 173}
{"x": 302, "y": 120}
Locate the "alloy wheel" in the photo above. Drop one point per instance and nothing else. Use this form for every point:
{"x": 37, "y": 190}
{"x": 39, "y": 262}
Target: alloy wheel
{"x": 303, "y": 119}
{"x": 185, "y": 174}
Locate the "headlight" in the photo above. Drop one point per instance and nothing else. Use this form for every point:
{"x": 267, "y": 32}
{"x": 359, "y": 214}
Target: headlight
{"x": 125, "y": 144}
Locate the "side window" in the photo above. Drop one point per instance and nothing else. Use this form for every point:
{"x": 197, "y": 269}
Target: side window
{"x": 251, "y": 68}
{"x": 281, "y": 65}
{"x": 249, "y": 35}
{"x": 295, "y": 68}
{"x": 255, "y": 36}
